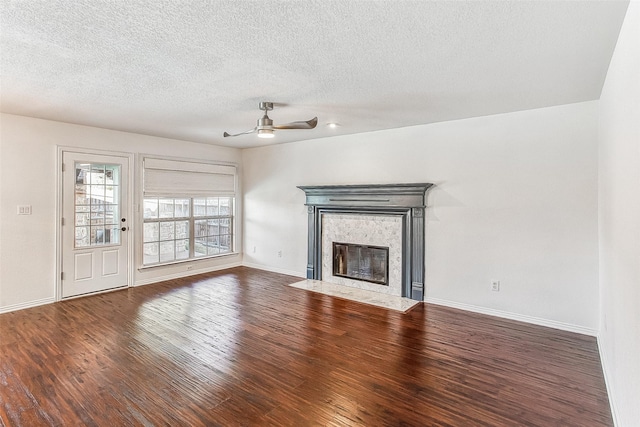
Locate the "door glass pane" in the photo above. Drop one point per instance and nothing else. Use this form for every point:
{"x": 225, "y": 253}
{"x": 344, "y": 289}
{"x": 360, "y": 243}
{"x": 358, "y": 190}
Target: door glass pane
{"x": 97, "y": 192}
{"x": 82, "y": 236}
{"x": 82, "y": 195}
{"x": 83, "y": 173}
{"x": 110, "y": 194}
{"x": 97, "y": 235}
{"x": 97, "y": 204}
{"x": 113, "y": 234}
{"x": 97, "y": 214}
{"x": 110, "y": 177}
{"x": 110, "y": 217}
{"x": 82, "y": 219}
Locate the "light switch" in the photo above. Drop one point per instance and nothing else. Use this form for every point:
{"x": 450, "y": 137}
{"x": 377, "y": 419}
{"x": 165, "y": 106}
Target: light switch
{"x": 24, "y": 209}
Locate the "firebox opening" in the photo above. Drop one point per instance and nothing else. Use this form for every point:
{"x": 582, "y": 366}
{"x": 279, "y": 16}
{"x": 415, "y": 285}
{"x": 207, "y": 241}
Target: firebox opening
{"x": 360, "y": 262}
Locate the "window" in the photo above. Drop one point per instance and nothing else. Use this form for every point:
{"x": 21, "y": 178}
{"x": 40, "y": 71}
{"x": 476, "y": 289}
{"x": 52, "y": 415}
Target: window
{"x": 97, "y": 204}
{"x": 188, "y": 210}
{"x": 212, "y": 226}
{"x": 178, "y": 229}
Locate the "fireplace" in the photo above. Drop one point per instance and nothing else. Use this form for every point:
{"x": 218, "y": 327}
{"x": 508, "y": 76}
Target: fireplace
{"x": 360, "y": 262}
{"x": 371, "y": 216}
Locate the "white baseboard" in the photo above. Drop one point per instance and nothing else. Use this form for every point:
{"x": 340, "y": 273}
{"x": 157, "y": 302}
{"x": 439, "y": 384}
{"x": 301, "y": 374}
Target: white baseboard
{"x": 274, "y": 269}
{"x": 29, "y": 304}
{"x": 181, "y": 274}
{"x": 514, "y": 316}
{"x": 607, "y": 382}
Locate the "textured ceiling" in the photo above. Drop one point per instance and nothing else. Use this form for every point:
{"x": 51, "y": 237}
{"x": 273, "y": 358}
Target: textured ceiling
{"x": 194, "y": 69}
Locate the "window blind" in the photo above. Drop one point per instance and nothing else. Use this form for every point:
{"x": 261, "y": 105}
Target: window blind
{"x": 162, "y": 177}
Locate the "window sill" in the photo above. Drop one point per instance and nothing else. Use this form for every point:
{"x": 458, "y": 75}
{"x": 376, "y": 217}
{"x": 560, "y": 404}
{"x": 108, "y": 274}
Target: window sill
{"x": 186, "y": 261}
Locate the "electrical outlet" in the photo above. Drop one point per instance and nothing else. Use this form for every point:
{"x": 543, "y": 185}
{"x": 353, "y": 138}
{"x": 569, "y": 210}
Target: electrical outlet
{"x": 495, "y": 285}
{"x": 254, "y": 249}
{"x": 279, "y": 254}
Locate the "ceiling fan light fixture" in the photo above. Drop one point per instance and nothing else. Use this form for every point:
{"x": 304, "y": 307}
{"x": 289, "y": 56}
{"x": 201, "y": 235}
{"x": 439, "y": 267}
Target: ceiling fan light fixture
{"x": 265, "y": 127}
{"x": 265, "y": 133}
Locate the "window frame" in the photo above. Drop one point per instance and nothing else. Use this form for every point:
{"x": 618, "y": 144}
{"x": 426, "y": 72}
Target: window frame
{"x": 191, "y": 219}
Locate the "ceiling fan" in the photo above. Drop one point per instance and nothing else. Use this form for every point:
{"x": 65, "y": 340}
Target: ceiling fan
{"x": 266, "y": 128}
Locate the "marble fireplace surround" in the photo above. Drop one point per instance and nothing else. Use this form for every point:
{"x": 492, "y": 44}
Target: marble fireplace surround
{"x": 367, "y": 230}
{"x": 403, "y": 202}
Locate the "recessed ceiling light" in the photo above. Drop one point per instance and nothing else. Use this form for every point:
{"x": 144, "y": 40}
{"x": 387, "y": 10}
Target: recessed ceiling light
{"x": 333, "y": 125}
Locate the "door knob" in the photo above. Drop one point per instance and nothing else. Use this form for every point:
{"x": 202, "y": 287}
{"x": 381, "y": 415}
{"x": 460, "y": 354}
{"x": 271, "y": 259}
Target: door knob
{"x": 124, "y": 229}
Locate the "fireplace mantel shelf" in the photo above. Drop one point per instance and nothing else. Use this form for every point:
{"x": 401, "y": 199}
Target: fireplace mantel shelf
{"x": 404, "y": 200}
{"x": 374, "y": 195}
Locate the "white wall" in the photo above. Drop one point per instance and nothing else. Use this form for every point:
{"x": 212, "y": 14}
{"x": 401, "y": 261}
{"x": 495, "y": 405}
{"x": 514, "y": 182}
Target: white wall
{"x": 27, "y": 177}
{"x": 619, "y": 141}
{"x": 515, "y": 200}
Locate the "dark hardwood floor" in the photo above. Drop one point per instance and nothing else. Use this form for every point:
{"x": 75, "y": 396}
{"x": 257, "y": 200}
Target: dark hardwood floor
{"x": 239, "y": 347}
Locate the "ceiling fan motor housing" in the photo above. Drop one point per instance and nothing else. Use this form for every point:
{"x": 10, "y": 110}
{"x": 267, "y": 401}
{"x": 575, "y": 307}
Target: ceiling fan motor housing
{"x": 265, "y": 122}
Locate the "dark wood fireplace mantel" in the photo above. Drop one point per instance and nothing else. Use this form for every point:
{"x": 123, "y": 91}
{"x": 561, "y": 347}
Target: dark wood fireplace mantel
{"x": 404, "y": 200}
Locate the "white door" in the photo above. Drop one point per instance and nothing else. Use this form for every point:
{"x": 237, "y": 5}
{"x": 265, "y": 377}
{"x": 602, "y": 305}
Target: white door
{"x": 94, "y": 223}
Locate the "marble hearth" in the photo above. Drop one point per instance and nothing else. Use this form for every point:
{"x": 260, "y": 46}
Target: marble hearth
{"x": 387, "y": 216}
{"x": 390, "y": 302}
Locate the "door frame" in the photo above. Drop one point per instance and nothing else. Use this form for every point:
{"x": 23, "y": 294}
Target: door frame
{"x": 61, "y": 149}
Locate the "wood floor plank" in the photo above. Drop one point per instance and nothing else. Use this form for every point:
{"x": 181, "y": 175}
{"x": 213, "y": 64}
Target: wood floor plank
{"x": 241, "y": 348}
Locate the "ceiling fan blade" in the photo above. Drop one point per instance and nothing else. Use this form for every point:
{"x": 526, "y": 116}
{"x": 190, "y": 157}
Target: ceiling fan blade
{"x": 226, "y": 134}
{"x": 309, "y": 124}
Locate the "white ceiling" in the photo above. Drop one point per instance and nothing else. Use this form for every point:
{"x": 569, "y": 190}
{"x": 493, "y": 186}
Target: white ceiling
{"x": 193, "y": 69}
